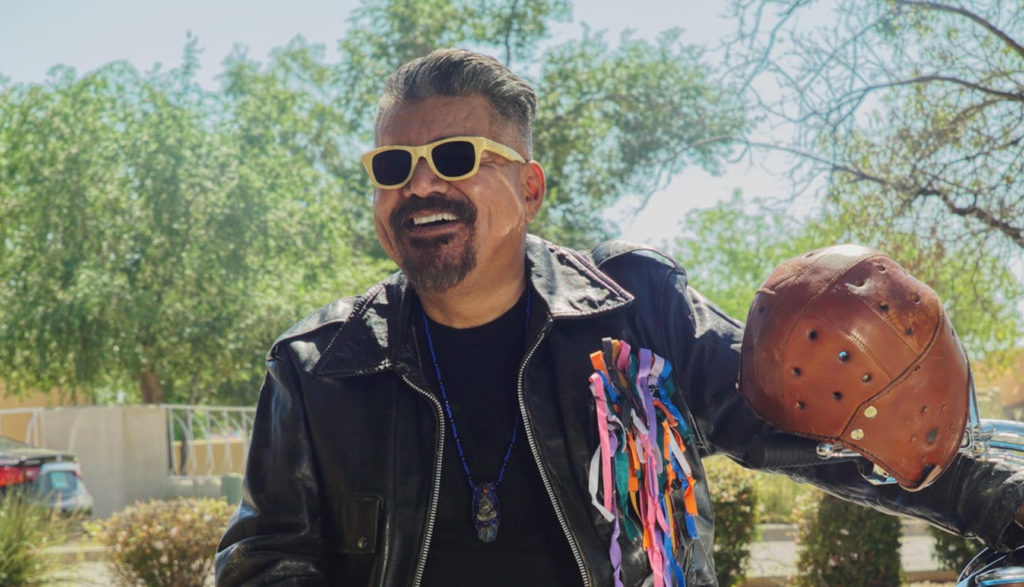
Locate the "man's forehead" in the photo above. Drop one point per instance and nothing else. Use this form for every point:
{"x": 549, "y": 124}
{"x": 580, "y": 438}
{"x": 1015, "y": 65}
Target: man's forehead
{"x": 429, "y": 119}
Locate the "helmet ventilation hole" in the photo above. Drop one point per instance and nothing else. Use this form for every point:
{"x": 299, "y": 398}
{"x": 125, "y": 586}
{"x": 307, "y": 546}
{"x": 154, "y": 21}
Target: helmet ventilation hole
{"x": 883, "y": 307}
{"x": 881, "y": 268}
{"x": 813, "y": 335}
{"x": 844, "y": 356}
{"x": 837, "y": 395}
{"x": 796, "y": 371}
{"x": 909, "y": 332}
{"x": 865, "y": 377}
{"x": 801, "y": 405}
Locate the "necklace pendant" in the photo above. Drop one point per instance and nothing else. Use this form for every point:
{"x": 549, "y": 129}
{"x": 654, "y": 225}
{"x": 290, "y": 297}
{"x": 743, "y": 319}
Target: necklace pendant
{"x": 486, "y": 515}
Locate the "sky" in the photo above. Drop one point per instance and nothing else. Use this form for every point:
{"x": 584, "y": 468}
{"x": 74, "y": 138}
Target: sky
{"x": 36, "y": 35}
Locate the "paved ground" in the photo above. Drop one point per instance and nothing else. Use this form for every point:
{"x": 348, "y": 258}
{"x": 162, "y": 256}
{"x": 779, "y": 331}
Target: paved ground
{"x": 772, "y": 561}
{"x": 89, "y": 573}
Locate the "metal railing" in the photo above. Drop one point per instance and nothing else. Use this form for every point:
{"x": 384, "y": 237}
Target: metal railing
{"x": 191, "y": 429}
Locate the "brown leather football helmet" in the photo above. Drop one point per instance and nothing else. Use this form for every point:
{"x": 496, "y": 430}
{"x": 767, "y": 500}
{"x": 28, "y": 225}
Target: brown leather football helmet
{"x": 844, "y": 346}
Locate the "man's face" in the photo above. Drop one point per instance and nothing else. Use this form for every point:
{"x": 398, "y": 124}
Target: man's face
{"x": 442, "y": 232}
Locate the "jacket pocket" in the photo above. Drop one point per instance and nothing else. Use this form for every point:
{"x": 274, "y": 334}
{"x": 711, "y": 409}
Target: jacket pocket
{"x": 355, "y": 521}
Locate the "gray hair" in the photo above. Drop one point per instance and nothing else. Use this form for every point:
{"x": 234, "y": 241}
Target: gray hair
{"x": 458, "y": 72}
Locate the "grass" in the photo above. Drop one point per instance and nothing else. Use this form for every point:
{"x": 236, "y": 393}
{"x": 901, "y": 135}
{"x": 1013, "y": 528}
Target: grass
{"x": 26, "y": 530}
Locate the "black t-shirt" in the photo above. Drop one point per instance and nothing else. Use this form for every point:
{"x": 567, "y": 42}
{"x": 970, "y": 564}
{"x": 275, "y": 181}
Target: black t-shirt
{"x": 479, "y": 367}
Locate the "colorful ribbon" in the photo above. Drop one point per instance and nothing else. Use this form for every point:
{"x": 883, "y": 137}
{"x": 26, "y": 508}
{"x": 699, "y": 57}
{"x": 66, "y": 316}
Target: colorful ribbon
{"x": 640, "y": 462}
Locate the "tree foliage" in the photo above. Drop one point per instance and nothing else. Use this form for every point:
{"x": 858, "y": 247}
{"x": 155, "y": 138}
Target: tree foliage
{"x": 913, "y": 108}
{"x": 729, "y": 250}
{"x": 151, "y": 240}
{"x": 622, "y": 120}
{"x": 156, "y": 235}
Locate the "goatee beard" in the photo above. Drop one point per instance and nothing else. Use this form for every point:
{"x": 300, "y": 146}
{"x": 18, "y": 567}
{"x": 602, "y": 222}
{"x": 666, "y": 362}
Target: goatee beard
{"x": 435, "y": 264}
{"x": 429, "y": 269}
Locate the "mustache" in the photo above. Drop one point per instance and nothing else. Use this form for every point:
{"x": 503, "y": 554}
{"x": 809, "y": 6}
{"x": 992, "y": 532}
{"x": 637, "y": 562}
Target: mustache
{"x": 434, "y": 203}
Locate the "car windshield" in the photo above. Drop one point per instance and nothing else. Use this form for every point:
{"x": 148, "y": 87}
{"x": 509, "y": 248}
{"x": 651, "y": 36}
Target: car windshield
{"x": 57, "y": 482}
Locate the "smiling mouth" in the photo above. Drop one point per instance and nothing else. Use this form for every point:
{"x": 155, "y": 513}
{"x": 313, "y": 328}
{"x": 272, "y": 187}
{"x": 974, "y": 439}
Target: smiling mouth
{"x": 432, "y": 216}
{"x": 438, "y": 219}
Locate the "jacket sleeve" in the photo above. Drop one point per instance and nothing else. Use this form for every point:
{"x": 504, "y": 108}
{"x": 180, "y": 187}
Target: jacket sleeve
{"x": 975, "y": 498}
{"x": 275, "y": 536}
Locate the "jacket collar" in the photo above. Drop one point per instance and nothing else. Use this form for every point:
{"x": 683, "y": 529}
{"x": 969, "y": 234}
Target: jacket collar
{"x": 377, "y": 332}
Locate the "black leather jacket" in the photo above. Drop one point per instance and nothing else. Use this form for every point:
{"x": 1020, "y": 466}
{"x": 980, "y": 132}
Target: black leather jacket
{"x": 342, "y": 479}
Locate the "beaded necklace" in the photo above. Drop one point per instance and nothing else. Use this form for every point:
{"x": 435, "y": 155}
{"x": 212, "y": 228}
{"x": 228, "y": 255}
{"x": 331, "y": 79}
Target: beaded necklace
{"x": 484, "y": 508}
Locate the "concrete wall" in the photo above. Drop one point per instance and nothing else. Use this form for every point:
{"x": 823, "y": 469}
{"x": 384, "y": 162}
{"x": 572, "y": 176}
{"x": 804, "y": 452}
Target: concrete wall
{"x": 122, "y": 451}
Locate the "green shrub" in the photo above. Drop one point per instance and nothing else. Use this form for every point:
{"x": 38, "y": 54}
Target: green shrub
{"x": 951, "y": 551}
{"x": 845, "y": 544}
{"x": 164, "y": 543}
{"x": 734, "y": 502}
{"x": 26, "y": 529}
{"x": 776, "y": 495}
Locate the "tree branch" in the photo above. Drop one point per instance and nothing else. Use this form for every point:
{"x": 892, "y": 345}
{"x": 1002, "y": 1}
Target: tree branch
{"x": 1017, "y": 48}
{"x": 1014, "y": 233}
{"x": 926, "y": 79}
{"x": 508, "y": 32}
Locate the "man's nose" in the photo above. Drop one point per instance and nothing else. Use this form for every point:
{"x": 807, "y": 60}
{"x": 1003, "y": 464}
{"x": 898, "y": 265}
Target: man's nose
{"x": 423, "y": 181}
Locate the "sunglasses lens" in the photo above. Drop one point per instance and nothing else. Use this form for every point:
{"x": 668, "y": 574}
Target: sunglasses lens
{"x": 391, "y": 167}
{"x": 454, "y": 158}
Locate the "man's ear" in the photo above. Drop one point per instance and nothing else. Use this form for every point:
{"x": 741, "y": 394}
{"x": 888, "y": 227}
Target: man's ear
{"x": 534, "y": 186}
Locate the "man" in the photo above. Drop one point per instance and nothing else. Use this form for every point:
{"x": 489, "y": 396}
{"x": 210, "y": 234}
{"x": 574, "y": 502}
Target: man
{"x": 439, "y": 429}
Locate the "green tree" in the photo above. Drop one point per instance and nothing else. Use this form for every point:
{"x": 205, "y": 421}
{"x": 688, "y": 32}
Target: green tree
{"x": 618, "y": 122}
{"x": 730, "y": 248}
{"x": 152, "y": 241}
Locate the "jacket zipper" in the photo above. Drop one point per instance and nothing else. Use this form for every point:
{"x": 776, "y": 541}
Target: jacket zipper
{"x": 536, "y": 457}
{"x": 436, "y": 489}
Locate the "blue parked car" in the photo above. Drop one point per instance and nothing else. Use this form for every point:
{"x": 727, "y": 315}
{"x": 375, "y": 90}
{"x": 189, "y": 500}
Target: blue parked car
{"x": 48, "y": 476}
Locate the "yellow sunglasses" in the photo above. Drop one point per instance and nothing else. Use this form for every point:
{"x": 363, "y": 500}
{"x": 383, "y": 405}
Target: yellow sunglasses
{"x": 451, "y": 159}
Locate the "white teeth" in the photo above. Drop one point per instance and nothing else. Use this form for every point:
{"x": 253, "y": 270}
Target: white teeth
{"x": 443, "y": 216}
